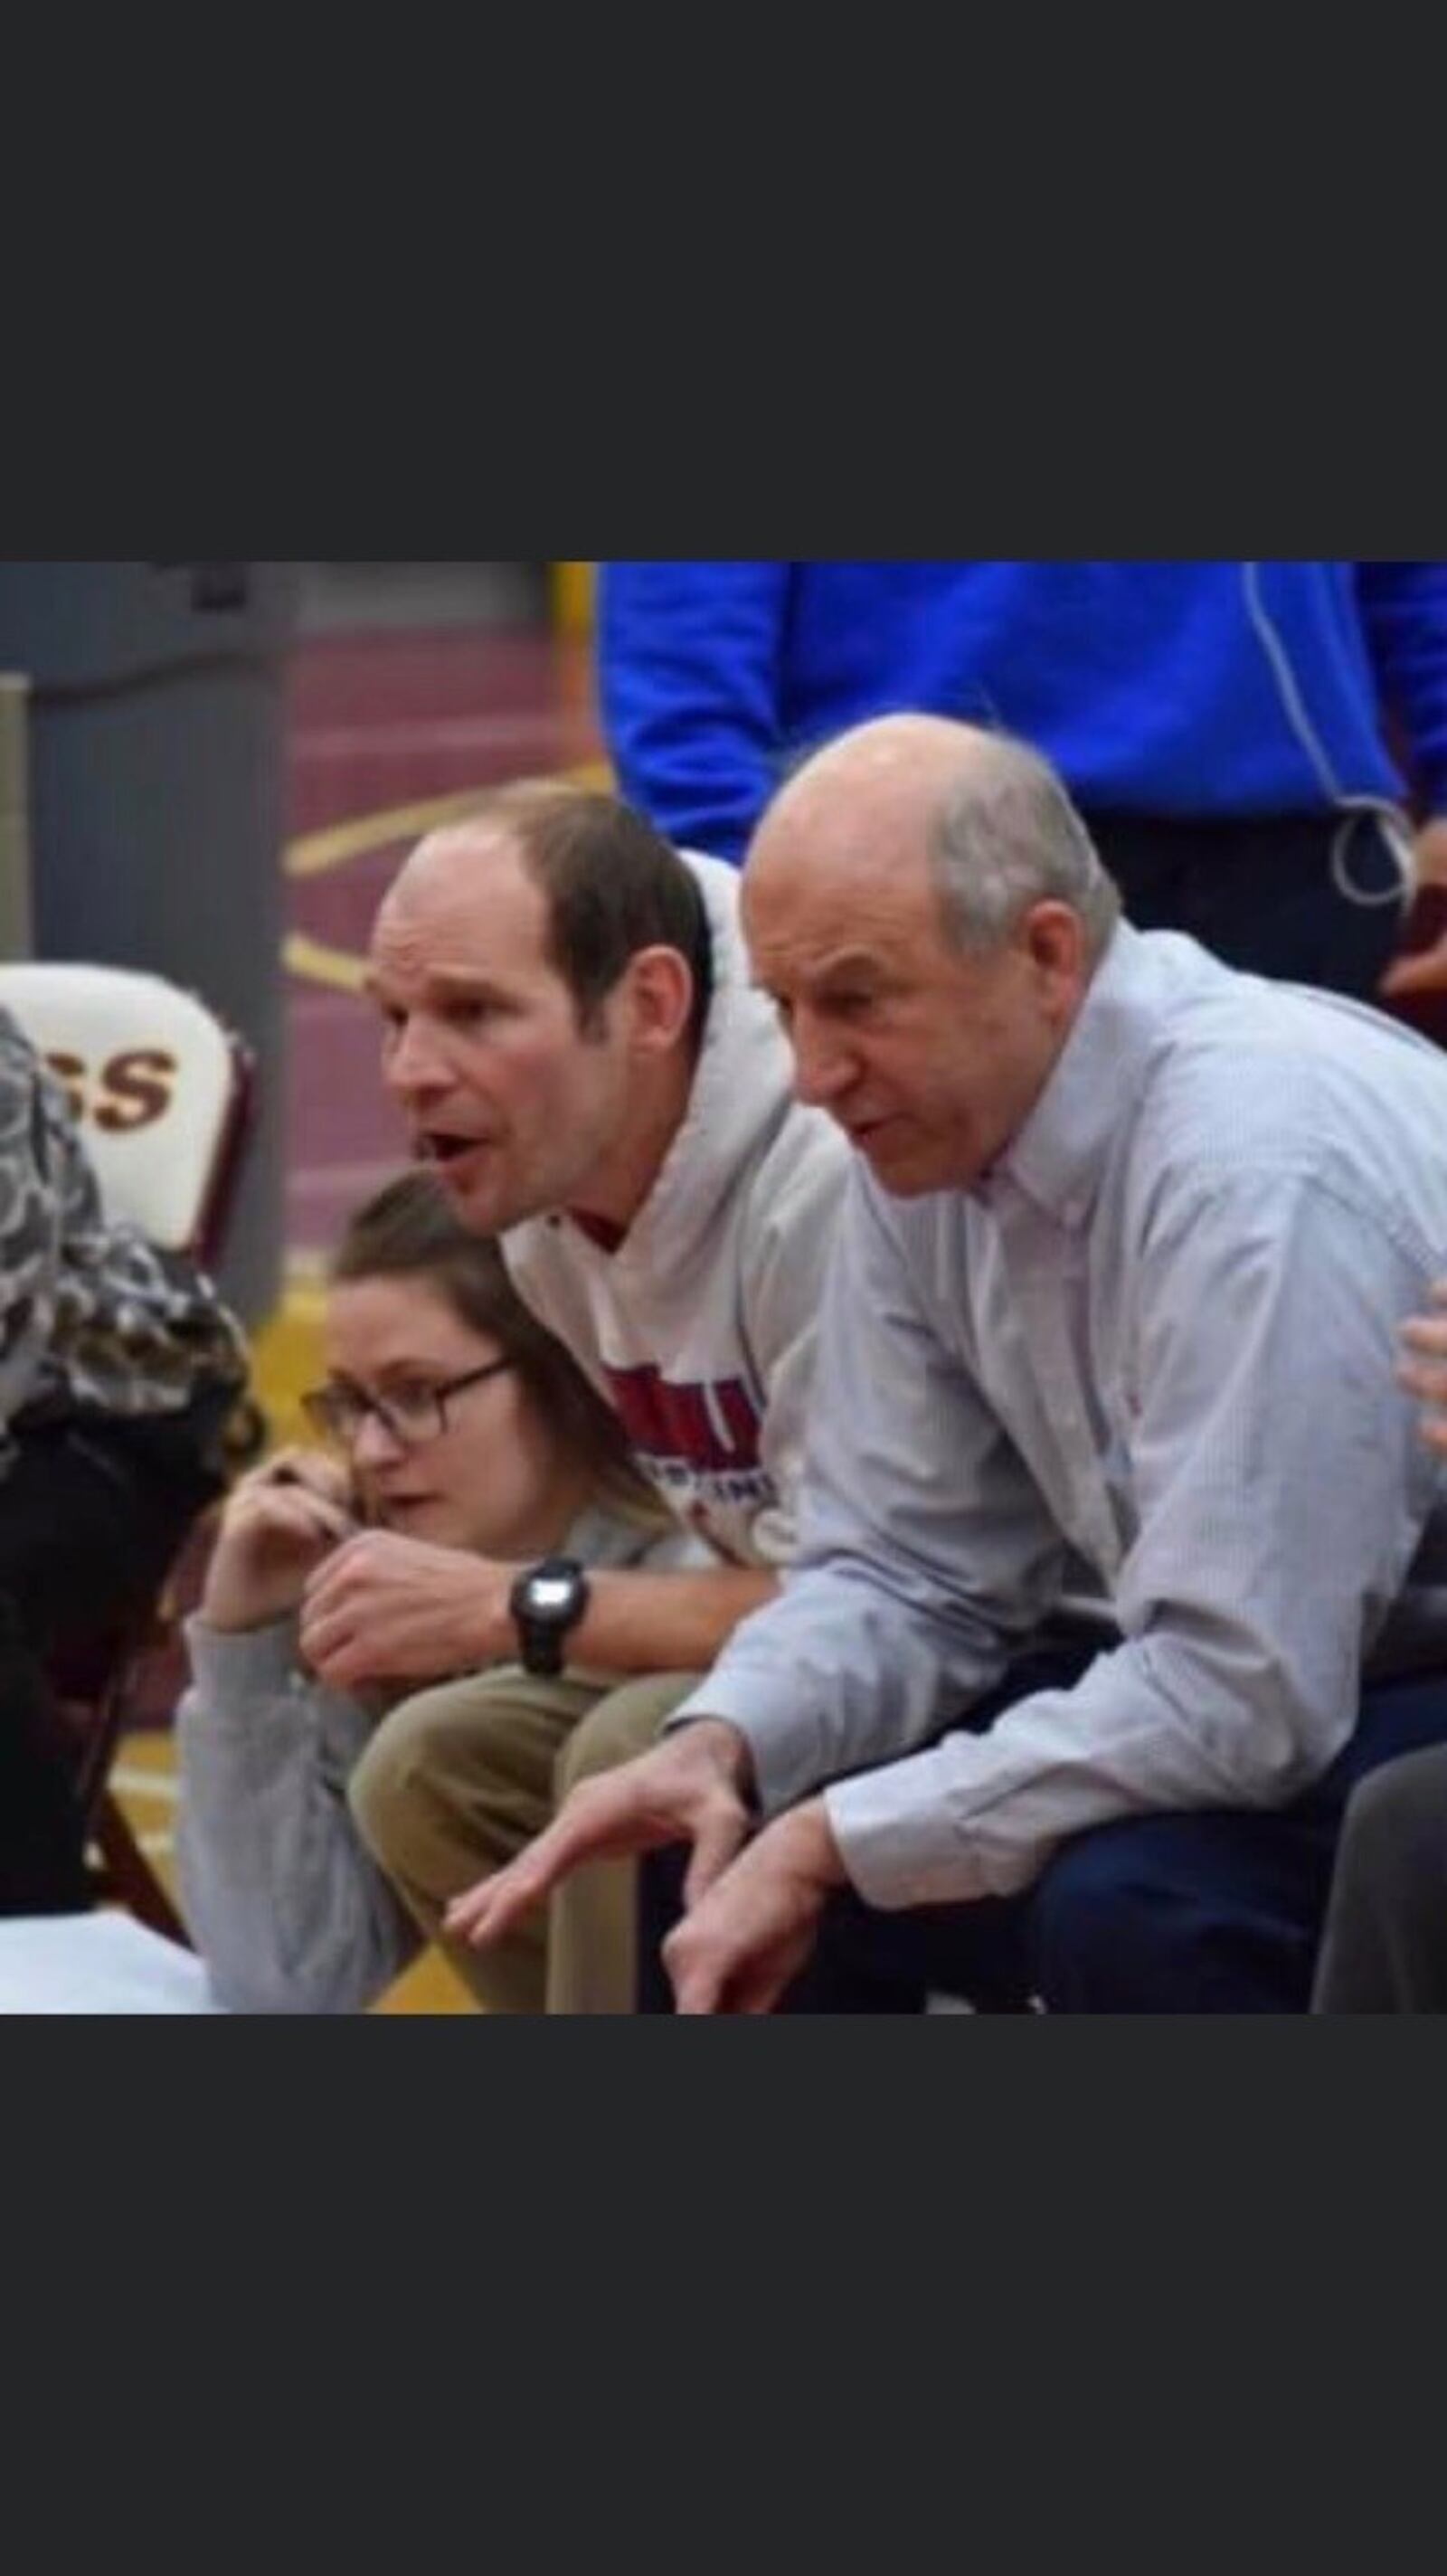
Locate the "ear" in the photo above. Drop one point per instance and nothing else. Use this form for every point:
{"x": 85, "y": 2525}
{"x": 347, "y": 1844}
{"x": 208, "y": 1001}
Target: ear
{"x": 660, "y": 990}
{"x": 1052, "y": 936}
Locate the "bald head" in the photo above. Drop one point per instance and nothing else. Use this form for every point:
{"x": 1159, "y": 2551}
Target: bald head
{"x": 451, "y": 873}
{"x": 910, "y": 801}
{"x": 895, "y": 761}
{"x": 602, "y": 884}
{"x": 925, "y": 906}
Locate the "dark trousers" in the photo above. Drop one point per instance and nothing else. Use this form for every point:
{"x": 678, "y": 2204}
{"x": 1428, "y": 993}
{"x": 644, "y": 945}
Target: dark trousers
{"x": 92, "y": 1514}
{"x": 1217, "y": 1912}
{"x": 1385, "y": 1945}
{"x": 1307, "y": 899}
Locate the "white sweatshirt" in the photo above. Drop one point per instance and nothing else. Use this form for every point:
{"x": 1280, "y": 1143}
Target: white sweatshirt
{"x": 700, "y": 1328}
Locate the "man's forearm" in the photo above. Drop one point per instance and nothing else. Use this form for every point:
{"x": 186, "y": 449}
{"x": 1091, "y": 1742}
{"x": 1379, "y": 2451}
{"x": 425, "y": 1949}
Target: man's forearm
{"x": 664, "y": 1623}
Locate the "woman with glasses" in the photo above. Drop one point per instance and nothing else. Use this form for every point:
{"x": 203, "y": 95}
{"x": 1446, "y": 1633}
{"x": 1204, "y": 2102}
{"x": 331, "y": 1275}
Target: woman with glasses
{"x": 449, "y": 1416}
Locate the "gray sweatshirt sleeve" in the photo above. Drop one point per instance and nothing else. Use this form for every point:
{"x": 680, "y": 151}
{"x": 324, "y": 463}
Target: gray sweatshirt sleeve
{"x": 280, "y": 1895}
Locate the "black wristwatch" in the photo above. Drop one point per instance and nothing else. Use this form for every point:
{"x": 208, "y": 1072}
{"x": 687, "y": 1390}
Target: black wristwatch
{"x": 546, "y": 1604}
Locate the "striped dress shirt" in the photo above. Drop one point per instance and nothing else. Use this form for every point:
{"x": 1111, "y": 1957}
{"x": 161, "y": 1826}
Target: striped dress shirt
{"x": 1156, "y": 1342}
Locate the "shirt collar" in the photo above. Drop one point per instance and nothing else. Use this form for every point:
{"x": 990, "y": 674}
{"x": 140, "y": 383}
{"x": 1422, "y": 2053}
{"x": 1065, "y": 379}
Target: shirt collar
{"x": 1058, "y": 1158}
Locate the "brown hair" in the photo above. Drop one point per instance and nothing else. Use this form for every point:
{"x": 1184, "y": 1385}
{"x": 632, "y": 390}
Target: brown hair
{"x": 612, "y": 886}
{"x": 410, "y": 1230}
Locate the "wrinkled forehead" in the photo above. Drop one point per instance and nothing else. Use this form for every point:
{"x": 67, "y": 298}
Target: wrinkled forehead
{"x": 862, "y": 800}
{"x": 806, "y": 895}
{"x": 462, "y": 903}
{"x": 886, "y": 780}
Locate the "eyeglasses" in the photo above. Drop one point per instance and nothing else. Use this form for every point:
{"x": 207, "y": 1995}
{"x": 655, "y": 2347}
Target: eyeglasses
{"x": 410, "y": 1415}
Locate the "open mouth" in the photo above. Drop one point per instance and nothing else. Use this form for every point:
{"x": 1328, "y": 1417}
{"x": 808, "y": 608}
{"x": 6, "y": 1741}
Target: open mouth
{"x": 439, "y": 1148}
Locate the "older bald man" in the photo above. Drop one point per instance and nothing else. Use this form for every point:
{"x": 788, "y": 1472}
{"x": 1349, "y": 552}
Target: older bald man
{"x": 1127, "y": 1245}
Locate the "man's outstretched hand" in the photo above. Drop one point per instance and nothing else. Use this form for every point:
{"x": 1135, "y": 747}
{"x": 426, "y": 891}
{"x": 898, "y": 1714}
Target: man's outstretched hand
{"x": 746, "y": 1938}
{"x": 691, "y": 1788}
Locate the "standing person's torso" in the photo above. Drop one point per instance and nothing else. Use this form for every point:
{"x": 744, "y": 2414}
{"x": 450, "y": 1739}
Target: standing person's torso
{"x": 1152, "y": 687}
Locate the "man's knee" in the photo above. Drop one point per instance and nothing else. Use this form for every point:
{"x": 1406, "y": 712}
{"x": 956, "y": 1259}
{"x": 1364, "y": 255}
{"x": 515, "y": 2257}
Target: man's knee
{"x": 1172, "y": 1914}
{"x": 1087, "y": 1904}
{"x": 623, "y": 1723}
{"x": 384, "y": 1779}
{"x": 411, "y": 1768}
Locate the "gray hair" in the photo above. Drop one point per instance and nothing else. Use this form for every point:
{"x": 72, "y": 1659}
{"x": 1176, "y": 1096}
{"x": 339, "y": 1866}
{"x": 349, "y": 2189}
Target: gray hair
{"x": 1008, "y": 837}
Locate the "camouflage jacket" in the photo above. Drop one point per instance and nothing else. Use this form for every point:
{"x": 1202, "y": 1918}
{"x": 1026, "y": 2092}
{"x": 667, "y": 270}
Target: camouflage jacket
{"x": 93, "y": 1318}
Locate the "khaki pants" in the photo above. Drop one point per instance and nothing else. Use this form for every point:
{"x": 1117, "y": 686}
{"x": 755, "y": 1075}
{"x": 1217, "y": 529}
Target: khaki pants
{"x": 455, "y": 1781}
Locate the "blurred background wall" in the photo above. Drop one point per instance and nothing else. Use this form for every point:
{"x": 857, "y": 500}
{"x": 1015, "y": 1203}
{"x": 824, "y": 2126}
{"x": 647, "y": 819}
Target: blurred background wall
{"x": 168, "y": 728}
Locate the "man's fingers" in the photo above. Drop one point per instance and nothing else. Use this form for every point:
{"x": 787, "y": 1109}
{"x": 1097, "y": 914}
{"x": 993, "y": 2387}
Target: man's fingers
{"x": 696, "y": 1996}
{"x": 320, "y": 1629}
{"x": 334, "y": 1576}
{"x": 634, "y": 1809}
{"x": 718, "y": 1839}
{"x": 765, "y": 1979}
{"x": 465, "y": 1912}
{"x": 481, "y": 1913}
{"x": 1409, "y": 977}
{"x": 693, "y": 1972}
{"x": 747, "y": 1983}
{"x": 333, "y": 1649}
{"x": 492, "y": 1908}
{"x": 754, "y": 1996}
{"x": 605, "y": 1819}
{"x": 710, "y": 1975}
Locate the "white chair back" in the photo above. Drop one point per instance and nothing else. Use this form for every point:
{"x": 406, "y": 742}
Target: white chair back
{"x": 158, "y": 1084}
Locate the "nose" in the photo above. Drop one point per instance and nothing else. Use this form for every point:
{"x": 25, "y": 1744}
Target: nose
{"x": 373, "y": 1444}
{"x": 824, "y": 1065}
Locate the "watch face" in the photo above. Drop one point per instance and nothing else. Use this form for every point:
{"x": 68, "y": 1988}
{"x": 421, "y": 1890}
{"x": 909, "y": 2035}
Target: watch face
{"x": 551, "y": 1592}
{"x": 547, "y": 1604}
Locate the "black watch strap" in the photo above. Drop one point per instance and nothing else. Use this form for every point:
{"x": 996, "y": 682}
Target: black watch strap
{"x": 547, "y": 1602}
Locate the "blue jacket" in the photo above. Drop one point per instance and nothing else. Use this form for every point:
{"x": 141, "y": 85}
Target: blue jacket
{"x": 1207, "y": 690}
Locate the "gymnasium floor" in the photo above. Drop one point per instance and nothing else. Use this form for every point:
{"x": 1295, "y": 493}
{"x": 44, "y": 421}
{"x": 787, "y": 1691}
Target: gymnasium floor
{"x": 412, "y": 687}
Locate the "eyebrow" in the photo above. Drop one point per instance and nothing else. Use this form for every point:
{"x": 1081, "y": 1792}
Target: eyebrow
{"x": 849, "y": 962}
{"x": 398, "y": 1372}
{"x": 473, "y": 979}
{"x": 467, "y": 980}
